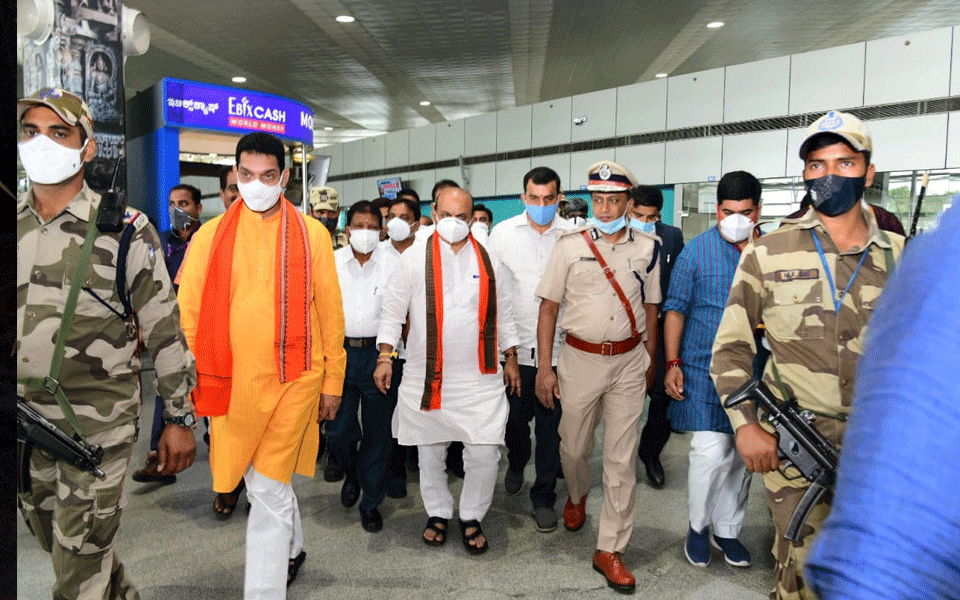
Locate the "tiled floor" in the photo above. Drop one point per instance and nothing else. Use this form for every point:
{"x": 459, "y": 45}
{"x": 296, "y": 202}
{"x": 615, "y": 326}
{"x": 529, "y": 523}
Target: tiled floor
{"x": 174, "y": 548}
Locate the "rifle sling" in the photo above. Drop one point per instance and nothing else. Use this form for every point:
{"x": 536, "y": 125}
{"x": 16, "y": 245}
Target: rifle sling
{"x": 783, "y": 392}
{"x": 51, "y": 383}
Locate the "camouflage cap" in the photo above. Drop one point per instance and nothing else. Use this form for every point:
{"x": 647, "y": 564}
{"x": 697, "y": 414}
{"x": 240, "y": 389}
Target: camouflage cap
{"x": 609, "y": 176}
{"x": 324, "y": 198}
{"x": 842, "y": 124}
{"x": 68, "y": 106}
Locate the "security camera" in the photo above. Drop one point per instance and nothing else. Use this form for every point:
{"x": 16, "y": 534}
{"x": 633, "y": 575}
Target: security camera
{"x": 579, "y": 120}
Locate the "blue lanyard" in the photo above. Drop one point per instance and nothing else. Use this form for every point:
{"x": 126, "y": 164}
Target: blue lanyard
{"x": 837, "y": 302}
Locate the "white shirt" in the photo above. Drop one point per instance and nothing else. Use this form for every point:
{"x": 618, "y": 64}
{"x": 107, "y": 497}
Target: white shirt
{"x": 473, "y": 406}
{"x": 424, "y": 231}
{"x": 362, "y": 289}
{"x": 388, "y": 247}
{"x": 524, "y": 253}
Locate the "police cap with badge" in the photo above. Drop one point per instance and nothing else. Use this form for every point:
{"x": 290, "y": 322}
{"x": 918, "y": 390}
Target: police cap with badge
{"x": 324, "y": 198}
{"x": 610, "y": 176}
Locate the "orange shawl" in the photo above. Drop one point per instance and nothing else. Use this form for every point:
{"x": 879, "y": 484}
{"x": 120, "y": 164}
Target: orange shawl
{"x": 487, "y": 342}
{"x": 291, "y": 329}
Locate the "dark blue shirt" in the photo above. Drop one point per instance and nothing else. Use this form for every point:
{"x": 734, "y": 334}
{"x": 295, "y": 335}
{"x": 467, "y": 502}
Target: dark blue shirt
{"x": 174, "y": 249}
{"x": 699, "y": 287}
{"x": 894, "y": 529}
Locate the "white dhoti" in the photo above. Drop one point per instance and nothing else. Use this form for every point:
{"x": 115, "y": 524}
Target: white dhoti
{"x": 274, "y": 534}
{"x": 480, "y": 465}
{"x": 719, "y": 484}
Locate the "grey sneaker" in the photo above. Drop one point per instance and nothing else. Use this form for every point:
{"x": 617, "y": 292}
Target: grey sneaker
{"x": 513, "y": 481}
{"x": 545, "y": 517}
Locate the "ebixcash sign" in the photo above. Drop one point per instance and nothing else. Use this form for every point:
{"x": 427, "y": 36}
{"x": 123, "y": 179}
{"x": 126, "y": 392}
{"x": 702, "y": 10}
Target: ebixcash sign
{"x": 206, "y": 106}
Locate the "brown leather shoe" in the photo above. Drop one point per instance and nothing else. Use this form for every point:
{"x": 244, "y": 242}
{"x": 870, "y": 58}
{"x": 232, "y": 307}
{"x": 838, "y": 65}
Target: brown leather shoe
{"x": 617, "y": 574}
{"x": 574, "y": 515}
{"x": 150, "y": 474}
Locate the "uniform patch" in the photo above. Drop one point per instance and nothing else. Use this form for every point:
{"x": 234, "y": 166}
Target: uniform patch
{"x": 795, "y": 274}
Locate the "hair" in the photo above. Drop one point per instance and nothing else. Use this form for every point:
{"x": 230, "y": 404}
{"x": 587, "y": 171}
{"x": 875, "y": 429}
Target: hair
{"x": 224, "y": 171}
{"x": 822, "y": 140}
{"x": 541, "y": 176}
{"x": 364, "y": 207}
{"x": 381, "y": 202}
{"x": 262, "y": 143}
{"x": 194, "y": 192}
{"x": 739, "y": 185}
{"x": 413, "y": 206}
{"x": 577, "y": 204}
{"x": 489, "y": 212}
{"x": 408, "y": 192}
{"x": 646, "y": 195}
{"x": 443, "y": 183}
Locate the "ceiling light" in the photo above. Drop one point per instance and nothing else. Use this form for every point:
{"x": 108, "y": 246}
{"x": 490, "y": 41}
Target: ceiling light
{"x": 239, "y": 80}
{"x": 660, "y": 75}
{"x": 328, "y": 128}
{"x": 425, "y": 103}
{"x": 345, "y": 19}
{"x": 715, "y": 25}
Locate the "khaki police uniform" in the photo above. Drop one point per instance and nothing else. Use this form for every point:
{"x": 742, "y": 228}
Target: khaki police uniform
{"x": 74, "y": 515}
{"x": 781, "y": 283}
{"x": 594, "y": 385}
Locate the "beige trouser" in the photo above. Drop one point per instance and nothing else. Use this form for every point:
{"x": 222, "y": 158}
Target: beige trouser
{"x": 614, "y": 387}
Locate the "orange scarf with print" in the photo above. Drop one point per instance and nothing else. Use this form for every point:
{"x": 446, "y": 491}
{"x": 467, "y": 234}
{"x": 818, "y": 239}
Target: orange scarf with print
{"x": 292, "y": 271}
{"x": 487, "y": 302}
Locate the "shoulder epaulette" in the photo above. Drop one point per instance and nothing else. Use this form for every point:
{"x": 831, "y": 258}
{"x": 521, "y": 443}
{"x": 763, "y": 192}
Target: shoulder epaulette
{"x": 136, "y": 218}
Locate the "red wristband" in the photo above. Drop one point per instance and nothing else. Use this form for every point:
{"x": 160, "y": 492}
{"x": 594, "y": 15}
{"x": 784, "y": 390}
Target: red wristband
{"x": 673, "y": 363}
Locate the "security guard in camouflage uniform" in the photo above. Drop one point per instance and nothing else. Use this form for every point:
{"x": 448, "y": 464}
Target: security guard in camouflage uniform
{"x": 325, "y": 207}
{"x": 74, "y": 514}
{"x": 813, "y": 283}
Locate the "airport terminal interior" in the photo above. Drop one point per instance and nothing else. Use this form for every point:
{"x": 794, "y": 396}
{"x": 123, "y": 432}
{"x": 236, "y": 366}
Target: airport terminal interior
{"x": 373, "y": 94}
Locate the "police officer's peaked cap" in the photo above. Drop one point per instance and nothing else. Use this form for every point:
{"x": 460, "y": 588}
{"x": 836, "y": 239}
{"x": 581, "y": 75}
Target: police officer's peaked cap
{"x": 609, "y": 176}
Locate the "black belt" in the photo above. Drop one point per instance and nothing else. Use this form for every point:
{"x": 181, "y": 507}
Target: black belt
{"x": 349, "y": 342}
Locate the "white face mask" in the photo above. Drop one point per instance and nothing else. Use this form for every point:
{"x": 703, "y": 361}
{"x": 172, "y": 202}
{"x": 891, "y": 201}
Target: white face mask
{"x": 364, "y": 240}
{"x": 398, "y": 229}
{"x": 480, "y": 231}
{"x": 258, "y": 196}
{"x": 47, "y": 162}
{"x": 736, "y": 227}
{"x": 578, "y": 221}
{"x": 452, "y": 229}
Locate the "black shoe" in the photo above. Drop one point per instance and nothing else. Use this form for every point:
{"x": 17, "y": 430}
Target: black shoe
{"x": 349, "y": 493}
{"x": 396, "y": 488}
{"x": 371, "y": 520}
{"x": 654, "y": 472}
{"x": 332, "y": 472}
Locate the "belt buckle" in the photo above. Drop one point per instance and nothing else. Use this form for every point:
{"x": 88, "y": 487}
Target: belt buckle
{"x": 606, "y": 348}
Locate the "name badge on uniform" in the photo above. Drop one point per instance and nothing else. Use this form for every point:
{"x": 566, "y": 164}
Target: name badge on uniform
{"x": 795, "y": 275}
{"x": 593, "y": 258}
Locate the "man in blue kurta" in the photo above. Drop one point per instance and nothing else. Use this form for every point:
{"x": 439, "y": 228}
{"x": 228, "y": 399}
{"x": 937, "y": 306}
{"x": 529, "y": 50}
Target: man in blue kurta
{"x": 718, "y": 480}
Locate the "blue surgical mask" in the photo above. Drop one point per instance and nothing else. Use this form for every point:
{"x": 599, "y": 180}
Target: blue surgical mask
{"x": 611, "y": 227}
{"x": 542, "y": 215}
{"x": 643, "y": 226}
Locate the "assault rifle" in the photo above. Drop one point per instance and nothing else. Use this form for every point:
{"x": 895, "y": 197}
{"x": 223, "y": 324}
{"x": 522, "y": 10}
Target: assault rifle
{"x": 799, "y": 444}
{"x": 33, "y": 429}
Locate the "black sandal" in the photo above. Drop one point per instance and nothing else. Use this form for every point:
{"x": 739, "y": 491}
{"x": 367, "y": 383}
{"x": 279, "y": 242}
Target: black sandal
{"x": 439, "y": 535}
{"x": 223, "y": 509}
{"x": 464, "y": 525}
{"x": 294, "y": 567}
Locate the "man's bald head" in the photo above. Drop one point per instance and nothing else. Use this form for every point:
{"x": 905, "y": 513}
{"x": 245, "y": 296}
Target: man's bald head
{"x": 454, "y": 202}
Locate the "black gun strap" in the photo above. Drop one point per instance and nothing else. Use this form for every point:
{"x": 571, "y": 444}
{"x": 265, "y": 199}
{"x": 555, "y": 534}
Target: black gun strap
{"x": 24, "y": 450}
{"x": 783, "y": 392}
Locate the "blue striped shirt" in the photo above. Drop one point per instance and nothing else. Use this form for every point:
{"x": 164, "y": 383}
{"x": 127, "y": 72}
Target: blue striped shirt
{"x": 699, "y": 287}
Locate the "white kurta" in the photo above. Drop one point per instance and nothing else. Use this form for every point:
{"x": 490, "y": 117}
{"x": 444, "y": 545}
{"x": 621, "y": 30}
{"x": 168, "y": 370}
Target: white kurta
{"x": 473, "y": 407}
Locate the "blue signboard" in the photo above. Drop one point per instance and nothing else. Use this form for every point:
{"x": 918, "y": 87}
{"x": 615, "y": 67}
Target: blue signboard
{"x": 204, "y": 106}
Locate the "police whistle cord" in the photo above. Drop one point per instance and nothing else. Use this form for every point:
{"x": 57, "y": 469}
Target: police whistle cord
{"x": 798, "y": 443}
{"x": 916, "y": 211}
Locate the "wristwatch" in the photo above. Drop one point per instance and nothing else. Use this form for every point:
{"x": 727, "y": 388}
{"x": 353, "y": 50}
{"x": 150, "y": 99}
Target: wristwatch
{"x": 187, "y": 420}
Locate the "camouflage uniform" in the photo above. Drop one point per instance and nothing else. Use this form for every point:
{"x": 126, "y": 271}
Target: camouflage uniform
{"x": 339, "y": 239}
{"x": 780, "y": 282}
{"x": 74, "y": 515}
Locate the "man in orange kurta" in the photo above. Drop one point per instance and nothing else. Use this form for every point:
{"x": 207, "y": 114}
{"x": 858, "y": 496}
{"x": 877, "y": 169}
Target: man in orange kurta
{"x": 260, "y": 302}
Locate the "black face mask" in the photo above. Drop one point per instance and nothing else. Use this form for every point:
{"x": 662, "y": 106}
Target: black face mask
{"x": 834, "y": 195}
{"x": 180, "y": 219}
{"x": 329, "y": 222}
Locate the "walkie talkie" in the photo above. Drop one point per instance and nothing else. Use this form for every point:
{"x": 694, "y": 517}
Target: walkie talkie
{"x": 112, "y": 206}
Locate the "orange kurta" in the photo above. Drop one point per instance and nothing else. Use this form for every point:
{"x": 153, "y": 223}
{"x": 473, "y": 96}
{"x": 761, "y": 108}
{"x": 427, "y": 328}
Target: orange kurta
{"x": 271, "y": 424}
